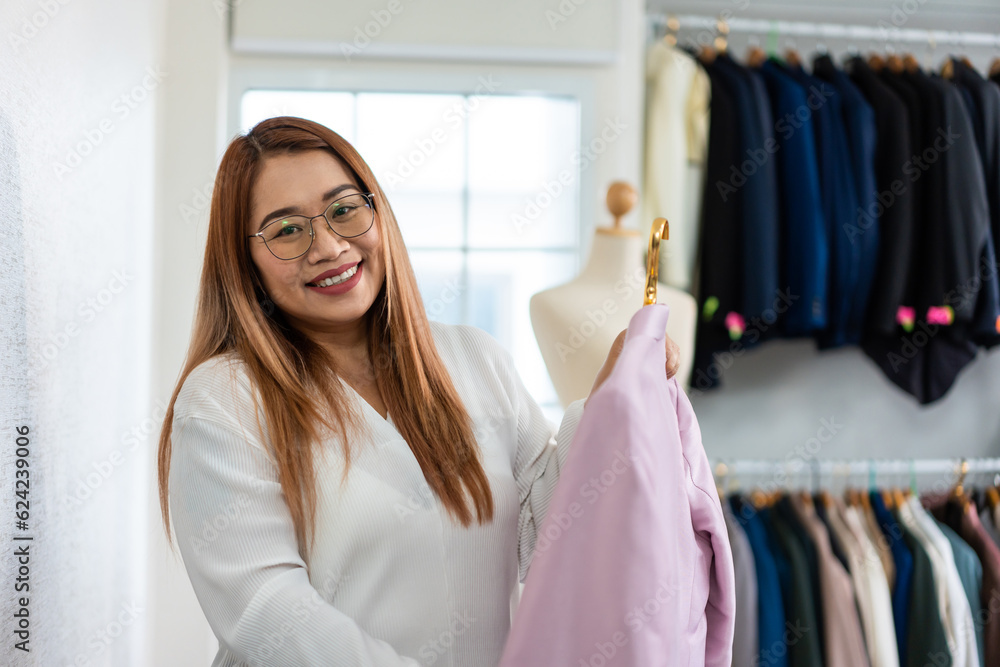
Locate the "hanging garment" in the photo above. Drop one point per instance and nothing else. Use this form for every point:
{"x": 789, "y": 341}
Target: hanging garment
{"x": 770, "y": 604}
{"x": 805, "y": 249}
{"x": 870, "y": 586}
{"x": 970, "y": 571}
{"x": 903, "y": 560}
{"x": 755, "y": 177}
{"x": 633, "y": 566}
{"x": 721, "y": 263}
{"x": 840, "y": 203}
{"x": 859, "y": 123}
{"x": 797, "y": 592}
{"x": 983, "y": 104}
{"x": 926, "y": 639}
{"x": 986, "y": 518}
{"x": 844, "y": 643}
{"x": 964, "y": 649}
{"x": 892, "y": 212}
{"x": 867, "y": 515}
{"x": 880, "y": 634}
{"x": 746, "y": 645}
{"x": 676, "y": 122}
{"x": 965, "y": 522}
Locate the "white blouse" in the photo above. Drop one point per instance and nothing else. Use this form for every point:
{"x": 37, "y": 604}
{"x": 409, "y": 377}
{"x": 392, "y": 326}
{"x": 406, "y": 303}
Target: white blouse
{"x": 392, "y": 580}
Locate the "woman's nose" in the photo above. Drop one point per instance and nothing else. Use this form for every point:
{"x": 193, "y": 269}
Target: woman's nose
{"x": 326, "y": 243}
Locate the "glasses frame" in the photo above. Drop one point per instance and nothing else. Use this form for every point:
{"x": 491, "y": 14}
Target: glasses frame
{"x": 329, "y": 225}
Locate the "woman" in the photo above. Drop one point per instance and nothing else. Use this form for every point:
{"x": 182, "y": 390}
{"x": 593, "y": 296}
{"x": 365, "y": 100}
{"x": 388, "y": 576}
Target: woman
{"x": 312, "y": 358}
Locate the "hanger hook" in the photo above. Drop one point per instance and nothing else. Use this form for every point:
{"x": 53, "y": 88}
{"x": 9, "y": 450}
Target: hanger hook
{"x": 660, "y": 231}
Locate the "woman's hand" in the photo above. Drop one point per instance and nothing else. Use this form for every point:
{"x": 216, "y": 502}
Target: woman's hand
{"x": 671, "y": 366}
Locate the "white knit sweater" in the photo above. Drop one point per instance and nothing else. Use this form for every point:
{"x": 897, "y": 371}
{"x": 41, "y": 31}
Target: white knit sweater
{"x": 393, "y": 580}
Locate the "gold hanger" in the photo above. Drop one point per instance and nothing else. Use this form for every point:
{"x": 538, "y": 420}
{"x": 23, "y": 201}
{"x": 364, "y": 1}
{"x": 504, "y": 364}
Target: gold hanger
{"x": 659, "y": 232}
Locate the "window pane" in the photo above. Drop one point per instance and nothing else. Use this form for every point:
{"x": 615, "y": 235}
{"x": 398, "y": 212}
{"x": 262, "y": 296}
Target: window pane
{"x": 442, "y": 288}
{"x": 523, "y": 180}
{"x": 500, "y": 286}
{"x": 415, "y": 145}
{"x": 334, "y": 110}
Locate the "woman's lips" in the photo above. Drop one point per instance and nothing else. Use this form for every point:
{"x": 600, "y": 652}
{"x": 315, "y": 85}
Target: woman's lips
{"x": 341, "y": 288}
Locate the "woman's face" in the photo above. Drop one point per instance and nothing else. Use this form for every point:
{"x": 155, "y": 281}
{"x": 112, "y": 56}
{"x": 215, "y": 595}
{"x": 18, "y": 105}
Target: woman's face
{"x": 302, "y": 182}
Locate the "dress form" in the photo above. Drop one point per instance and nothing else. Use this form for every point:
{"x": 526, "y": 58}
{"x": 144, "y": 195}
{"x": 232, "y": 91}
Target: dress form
{"x": 575, "y": 324}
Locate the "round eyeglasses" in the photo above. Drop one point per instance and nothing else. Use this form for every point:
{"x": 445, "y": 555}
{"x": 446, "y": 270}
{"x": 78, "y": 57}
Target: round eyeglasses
{"x": 292, "y": 236}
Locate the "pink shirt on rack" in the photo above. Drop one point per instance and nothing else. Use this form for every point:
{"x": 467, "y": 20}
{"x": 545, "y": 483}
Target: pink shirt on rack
{"x": 633, "y": 565}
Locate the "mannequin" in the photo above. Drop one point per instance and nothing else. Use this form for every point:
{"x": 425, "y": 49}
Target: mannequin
{"x": 576, "y": 323}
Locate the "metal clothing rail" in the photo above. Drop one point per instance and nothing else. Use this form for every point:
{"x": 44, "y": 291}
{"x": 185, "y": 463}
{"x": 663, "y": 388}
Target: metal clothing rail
{"x": 859, "y": 33}
{"x": 858, "y": 466}
{"x": 783, "y": 473}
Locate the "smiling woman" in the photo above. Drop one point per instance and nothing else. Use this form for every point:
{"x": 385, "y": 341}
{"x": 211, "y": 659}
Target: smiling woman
{"x": 312, "y": 356}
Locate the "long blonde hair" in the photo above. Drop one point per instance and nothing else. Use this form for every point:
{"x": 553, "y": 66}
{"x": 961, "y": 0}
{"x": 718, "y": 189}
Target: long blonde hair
{"x": 289, "y": 370}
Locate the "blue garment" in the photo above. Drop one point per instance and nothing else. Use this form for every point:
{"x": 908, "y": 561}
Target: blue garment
{"x": 970, "y": 571}
{"x": 840, "y": 203}
{"x": 903, "y": 560}
{"x": 859, "y": 121}
{"x": 771, "y": 607}
{"x": 758, "y": 175}
{"x": 805, "y": 255}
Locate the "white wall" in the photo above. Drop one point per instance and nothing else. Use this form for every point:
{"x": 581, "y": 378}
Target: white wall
{"x": 78, "y": 96}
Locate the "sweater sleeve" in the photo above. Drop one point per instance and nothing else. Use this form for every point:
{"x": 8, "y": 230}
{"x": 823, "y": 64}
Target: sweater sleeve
{"x": 540, "y": 456}
{"x": 236, "y": 536}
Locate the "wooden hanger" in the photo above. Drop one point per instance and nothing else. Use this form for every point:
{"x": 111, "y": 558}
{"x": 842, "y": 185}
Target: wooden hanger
{"x": 995, "y": 67}
{"x": 792, "y": 58}
{"x": 958, "y": 493}
{"x": 807, "y": 500}
{"x": 876, "y": 62}
{"x": 910, "y": 63}
{"x": 894, "y": 63}
{"x": 992, "y": 497}
{"x": 721, "y": 35}
{"x": 755, "y": 56}
{"x": 948, "y": 69}
{"x": 673, "y": 25}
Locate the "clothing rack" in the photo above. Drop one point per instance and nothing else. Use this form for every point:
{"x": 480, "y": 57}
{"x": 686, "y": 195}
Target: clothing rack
{"x": 876, "y": 471}
{"x": 859, "y": 33}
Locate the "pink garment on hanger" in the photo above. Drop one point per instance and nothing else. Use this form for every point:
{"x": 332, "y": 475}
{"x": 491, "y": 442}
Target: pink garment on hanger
{"x": 632, "y": 566}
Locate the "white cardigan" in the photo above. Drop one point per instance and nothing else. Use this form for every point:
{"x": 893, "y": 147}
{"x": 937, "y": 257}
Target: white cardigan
{"x": 393, "y": 580}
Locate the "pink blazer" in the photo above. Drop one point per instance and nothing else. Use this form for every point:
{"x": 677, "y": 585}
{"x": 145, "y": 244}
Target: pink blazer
{"x": 632, "y": 566}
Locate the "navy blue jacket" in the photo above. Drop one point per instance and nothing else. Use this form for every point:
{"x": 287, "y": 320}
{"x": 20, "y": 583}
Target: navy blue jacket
{"x": 840, "y": 204}
{"x": 859, "y": 121}
{"x": 805, "y": 256}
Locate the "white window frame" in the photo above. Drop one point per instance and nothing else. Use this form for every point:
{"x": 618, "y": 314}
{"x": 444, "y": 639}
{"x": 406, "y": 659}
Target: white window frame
{"x": 255, "y": 72}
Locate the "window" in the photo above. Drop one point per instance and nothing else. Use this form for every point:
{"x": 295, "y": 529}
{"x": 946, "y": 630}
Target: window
{"x": 485, "y": 190}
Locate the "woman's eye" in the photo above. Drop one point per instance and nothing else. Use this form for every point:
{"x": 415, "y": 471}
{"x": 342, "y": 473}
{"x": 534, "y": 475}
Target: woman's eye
{"x": 341, "y": 211}
{"x": 289, "y": 230}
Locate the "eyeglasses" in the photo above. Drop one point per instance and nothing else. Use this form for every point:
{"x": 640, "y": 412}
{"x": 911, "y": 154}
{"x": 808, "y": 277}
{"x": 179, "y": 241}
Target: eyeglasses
{"x": 291, "y": 237}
